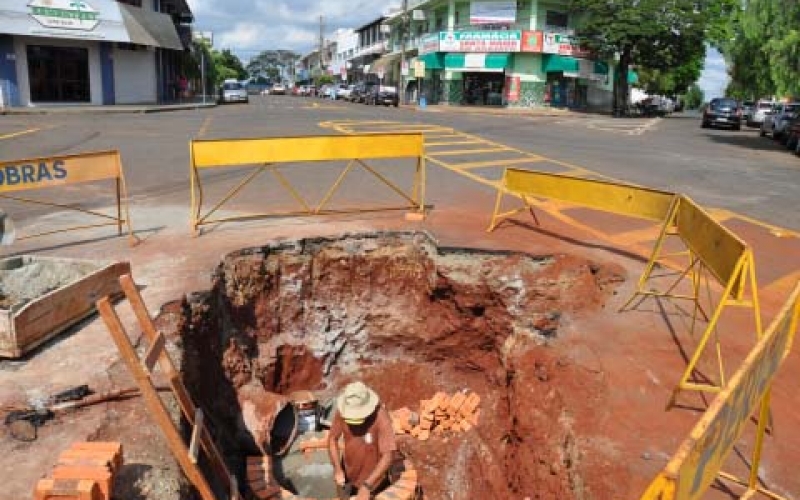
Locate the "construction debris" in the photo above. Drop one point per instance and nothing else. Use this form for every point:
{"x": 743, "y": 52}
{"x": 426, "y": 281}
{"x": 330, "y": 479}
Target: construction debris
{"x": 442, "y": 413}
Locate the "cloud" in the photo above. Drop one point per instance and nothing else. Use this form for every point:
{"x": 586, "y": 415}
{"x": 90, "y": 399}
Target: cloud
{"x": 249, "y": 26}
{"x": 714, "y": 78}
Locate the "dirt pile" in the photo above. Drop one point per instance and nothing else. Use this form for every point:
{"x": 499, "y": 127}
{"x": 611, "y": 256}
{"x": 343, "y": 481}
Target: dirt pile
{"x": 411, "y": 319}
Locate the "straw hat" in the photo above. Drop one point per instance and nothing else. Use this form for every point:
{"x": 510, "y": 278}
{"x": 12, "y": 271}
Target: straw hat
{"x": 357, "y": 402}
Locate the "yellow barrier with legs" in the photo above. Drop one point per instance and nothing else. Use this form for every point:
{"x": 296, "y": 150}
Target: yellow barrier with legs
{"x": 57, "y": 171}
{"x": 711, "y": 249}
{"x": 699, "y": 460}
{"x": 634, "y": 201}
{"x": 269, "y": 154}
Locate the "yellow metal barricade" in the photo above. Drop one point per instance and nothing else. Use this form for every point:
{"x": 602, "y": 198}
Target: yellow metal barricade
{"x": 624, "y": 199}
{"x": 712, "y": 250}
{"x": 52, "y": 172}
{"x": 699, "y": 460}
{"x": 714, "y": 253}
{"x": 269, "y": 154}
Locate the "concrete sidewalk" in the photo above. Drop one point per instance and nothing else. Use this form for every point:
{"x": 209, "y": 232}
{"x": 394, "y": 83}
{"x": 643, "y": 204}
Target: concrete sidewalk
{"x": 111, "y": 109}
{"x": 500, "y": 111}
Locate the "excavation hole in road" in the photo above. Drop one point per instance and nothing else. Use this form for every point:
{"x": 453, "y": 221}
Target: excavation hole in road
{"x": 411, "y": 319}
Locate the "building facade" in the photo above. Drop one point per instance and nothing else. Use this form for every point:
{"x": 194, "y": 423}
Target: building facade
{"x": 519, "y": 53}
{"x": 91, "y": 52}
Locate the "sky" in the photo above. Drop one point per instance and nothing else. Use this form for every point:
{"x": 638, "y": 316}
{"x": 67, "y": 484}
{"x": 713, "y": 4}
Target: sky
{"x": 249, "y": 26}
{"x": 714, "y": 78}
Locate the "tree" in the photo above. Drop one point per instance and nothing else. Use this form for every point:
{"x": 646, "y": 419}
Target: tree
{"x": 228, "y": 66}
{"x": 671, "y": 81}
{"x": 272, "y": 63}
{"x": 653, "y": 34}
{"x": 764, "y": 49}
{"x": 694, "y": 97}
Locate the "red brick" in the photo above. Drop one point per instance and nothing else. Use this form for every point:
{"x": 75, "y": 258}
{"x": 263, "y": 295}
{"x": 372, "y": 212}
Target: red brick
{"x": 101, "y": 475}
{"x": 60, "y": 489}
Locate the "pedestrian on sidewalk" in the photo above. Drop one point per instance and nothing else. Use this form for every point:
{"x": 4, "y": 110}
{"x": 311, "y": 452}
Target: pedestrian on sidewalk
{"x": 369, "y": 444}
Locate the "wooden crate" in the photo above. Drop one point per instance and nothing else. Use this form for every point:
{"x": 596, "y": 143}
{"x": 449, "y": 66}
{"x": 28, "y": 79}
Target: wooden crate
{"x": 26, "y": 326}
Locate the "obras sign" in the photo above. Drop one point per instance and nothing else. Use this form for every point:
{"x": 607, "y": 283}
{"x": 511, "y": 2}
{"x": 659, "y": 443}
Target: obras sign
{"x": 65, "y": 14}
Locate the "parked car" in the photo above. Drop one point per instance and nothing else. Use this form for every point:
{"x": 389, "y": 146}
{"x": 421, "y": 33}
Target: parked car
{"x": 278, "y": 89}
{"x": 723, "y": 111}
{"x": 382, "y": 94}
{"x": 747, "y": 110}
{"x": 760, "y": 110}
{"x": 776, "y": 123}
{"x": 345, "y": 91}
{"x": 793, "y": 133}
{"x": 361, "y": 91}
{"x": 232, "y": 91}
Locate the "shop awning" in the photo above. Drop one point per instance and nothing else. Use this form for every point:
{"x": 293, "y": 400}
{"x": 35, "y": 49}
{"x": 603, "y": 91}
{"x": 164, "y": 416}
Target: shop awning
{"x": 457, "y": 61}
{"x": 434, "y": 60}
{"x": 150, "y": 28}
{"x": 384, "y": 63}
{"x": 553, "y": 63}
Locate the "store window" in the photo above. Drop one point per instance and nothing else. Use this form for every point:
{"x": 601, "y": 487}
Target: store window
{"x": 58, "y": 74}
{"x": 554, "y": 19}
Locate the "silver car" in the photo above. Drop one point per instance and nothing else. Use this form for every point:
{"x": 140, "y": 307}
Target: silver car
{"x": 233, "y": 91}
{"x": 759, "y": 111}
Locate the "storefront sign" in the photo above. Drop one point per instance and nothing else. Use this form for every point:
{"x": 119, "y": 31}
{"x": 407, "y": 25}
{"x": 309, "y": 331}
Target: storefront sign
{"x": 493, "y": 12}
{"x": 532, "y": 41}
{"x": 429, "y": 43}
{"x": 65, "y": 14}
{"x": 419, "y": 69}
{"x": 512, "y": 88}
{"x": 480, "y": 41}
{"x": 561, "y": 44}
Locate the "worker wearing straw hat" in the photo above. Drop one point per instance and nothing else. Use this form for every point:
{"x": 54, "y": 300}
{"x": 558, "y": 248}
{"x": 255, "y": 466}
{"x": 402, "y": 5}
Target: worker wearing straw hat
{"x": 365, "y": 428}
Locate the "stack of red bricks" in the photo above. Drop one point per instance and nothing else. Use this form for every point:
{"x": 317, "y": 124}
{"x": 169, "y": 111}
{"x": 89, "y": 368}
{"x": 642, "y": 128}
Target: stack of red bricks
{"x": 85, "y": 471}
{"x": 260, "y": 479}
{"x": 442, "y": 413}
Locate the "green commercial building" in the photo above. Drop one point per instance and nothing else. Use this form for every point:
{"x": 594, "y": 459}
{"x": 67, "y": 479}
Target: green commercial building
{"x": 519, "y": 53}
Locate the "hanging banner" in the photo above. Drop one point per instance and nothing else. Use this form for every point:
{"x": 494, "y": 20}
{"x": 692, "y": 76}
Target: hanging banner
{"x": 532, "y": 41}
{"x": 493, "y": 12}
{"x": 513, "y": 85}
{"x": 429, "y": 44}
{"x": 562, "y": 44}
{"x": 480, "y": 41}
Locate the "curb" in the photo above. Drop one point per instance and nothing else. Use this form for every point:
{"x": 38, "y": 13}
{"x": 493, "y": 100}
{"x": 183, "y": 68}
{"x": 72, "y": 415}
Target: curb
{"x": 103, "y": 110}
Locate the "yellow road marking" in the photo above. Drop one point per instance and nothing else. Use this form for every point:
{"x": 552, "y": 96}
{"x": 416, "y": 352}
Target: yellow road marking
{"x": 497, "y": 163}
{"x": 450, "y": 143}
{"x": 204, "y": 126}
{"x": 461, "y": 138}
{"x": 463, "y": 152}
{"x": 17, "y": 134}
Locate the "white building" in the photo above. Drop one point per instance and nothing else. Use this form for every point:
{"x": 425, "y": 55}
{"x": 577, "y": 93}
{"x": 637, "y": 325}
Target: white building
{"x": 91, "y": 51}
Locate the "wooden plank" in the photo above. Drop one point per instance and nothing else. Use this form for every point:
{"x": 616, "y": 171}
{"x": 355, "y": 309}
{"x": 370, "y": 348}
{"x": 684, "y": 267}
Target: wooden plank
{"x": 154, "y": 352}
{"x": 145, "y": 321}
{"x": 196, "y": 431}
{"x": 47, "y": 316}
{"x": 152, "y": 400}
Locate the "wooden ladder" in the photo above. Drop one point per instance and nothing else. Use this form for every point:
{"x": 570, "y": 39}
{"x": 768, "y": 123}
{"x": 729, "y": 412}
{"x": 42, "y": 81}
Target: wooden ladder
{"x": 143, "y": 371}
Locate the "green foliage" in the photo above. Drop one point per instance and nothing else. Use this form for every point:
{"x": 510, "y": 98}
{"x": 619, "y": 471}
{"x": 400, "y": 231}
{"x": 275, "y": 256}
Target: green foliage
{"x": 323, "y": 80}
{"x": 228, "y": 66}
{"x": 272, "y": 63}
{"x": 694, "y": 97}
{"x": 664, "y": 38}
{"x": 764, "y": 49}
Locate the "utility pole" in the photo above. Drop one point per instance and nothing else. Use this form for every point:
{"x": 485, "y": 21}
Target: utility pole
{"x": 405, "y": 32}
{"x": 321, "y": 43}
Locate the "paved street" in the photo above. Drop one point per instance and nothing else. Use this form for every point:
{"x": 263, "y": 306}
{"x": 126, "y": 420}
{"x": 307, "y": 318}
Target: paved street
{"x": 746, "y": 181}
{"x": 739, "y": 172}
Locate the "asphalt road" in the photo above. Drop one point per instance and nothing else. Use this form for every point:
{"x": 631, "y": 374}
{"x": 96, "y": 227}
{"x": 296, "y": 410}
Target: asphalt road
{"x": 736, "y": 171}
